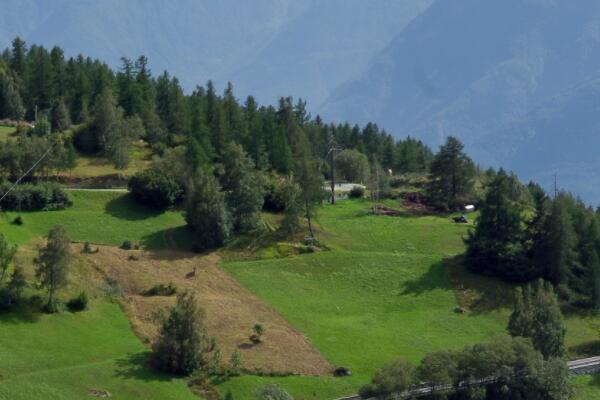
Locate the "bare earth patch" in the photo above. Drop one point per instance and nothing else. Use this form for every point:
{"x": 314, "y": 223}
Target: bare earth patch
{"x": 231, "y": 310}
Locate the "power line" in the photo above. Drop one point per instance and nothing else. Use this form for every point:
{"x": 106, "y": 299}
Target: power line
{"x": 25, "y": 174}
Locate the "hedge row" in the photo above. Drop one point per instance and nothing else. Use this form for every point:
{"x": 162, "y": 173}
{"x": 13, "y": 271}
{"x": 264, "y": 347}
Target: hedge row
{"x": 34, "y": 197}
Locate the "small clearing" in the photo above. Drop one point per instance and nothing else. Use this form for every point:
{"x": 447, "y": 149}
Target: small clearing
{"x": 231, "y": 309}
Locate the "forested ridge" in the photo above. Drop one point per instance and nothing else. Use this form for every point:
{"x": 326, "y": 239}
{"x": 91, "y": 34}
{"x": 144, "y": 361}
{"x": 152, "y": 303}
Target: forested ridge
{"x": 110, "y": 108}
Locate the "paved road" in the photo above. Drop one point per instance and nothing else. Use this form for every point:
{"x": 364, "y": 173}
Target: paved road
{"x": 116, "y": 190}
{"x": 582, "y": 366}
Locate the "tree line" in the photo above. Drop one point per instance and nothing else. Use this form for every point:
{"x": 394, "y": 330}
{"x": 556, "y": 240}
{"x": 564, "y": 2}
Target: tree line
{"x": 528, "y": 364}
{"x": 523, "y": 234}
{"x": 111, "y": 108}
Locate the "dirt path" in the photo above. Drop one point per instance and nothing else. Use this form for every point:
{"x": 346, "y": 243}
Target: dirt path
{"x": 231, "y": 310}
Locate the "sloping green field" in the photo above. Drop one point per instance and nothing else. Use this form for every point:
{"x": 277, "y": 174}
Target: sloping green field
{"x": 382, "y": 292}
{"x": 102, "y": 217}
{"x": 64, "y": 356}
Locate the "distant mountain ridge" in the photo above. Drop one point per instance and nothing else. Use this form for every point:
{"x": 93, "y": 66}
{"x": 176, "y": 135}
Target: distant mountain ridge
{"x": 480, "y": 70}
{"x": 268, "y": 48}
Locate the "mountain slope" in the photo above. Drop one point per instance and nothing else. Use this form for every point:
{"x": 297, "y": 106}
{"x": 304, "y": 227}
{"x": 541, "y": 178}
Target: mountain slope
{"x": 560, "y": 137}
{"x": 267, "y": 48}
{"x": 468, "y": 67}
{"x": 330, "y": 43}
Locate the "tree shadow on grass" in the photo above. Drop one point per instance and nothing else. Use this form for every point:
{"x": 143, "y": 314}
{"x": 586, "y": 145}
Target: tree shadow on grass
{"x": 178, "y": 238}
{"x": 125, "y": 207}
{"x": 475, "y": 293}
{"x": 137, "y": 366}
{"x": 595, "y": 381}
{"x": 434, "y": 278}
{"x": 19, "y": 317}
{"x": 586, "y": 349}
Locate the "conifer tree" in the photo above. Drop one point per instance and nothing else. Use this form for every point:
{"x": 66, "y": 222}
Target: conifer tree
{"x": 7, "y": 255}
{"x": 52, "y": 263}
{"x": 496, "y": 246}
{"x": 243, "y": 187}
{"x": 292, "y": 206}
{"x": 310, "y": 180}
{"x": 11, "y": 103}
{"x": 522, "y": 315}
{"x": 558, "y": 243}
{"x": 183, "y": 344}
{"x": 537, "y": 315}
{"x": 59, "y": 116}
{"x": 206, "y": 211}
{"x": 451, "y": 176}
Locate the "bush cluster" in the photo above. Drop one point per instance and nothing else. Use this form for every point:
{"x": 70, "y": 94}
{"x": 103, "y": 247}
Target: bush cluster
{"x": 275, "y": 196}
{"x": 34, "y": 197}
{"x": 156, "y": 188}
{"x": 79, "y": 303}
{"x": 357, "y": 192}
{"x": 161, "y": 290}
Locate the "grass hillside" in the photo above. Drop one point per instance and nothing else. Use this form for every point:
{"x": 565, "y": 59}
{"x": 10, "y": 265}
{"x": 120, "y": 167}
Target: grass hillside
{"x": 102, "y": 217}
{"x": 387, "y": 289}
{"x": 5, "y": 132}
{"x": 76, "y": 353}
{"x": 97, "y": 168}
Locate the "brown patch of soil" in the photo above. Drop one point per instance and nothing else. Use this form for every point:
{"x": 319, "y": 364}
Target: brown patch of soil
{"x": 231, "y": 310}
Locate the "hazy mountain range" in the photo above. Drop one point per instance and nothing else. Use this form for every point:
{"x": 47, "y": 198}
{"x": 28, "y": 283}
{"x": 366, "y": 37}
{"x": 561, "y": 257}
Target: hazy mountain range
{"x": 514, "y": 79}
{"x": 517, "y": 80}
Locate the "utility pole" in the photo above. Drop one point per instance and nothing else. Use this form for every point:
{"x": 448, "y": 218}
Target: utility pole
{"x": 332, "y": 154}
{"x": 555, "y": 186}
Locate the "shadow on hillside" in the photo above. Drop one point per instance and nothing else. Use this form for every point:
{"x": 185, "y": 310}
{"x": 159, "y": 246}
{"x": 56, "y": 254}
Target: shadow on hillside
{"x": 586, "y": 349}
{"x": 125, "y": 207}
{"x": 477, "y": 293}
{"x": 136, "y": 366}
{"x": 433, "y": 279}
{"x": 595, "y": 380}
{"x": 179, "y": 238}
{"x": 19, "y": 317}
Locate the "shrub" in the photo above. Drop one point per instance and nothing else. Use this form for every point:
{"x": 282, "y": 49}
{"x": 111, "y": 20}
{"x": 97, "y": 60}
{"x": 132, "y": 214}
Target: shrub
{"x": 161, "y": 290}
{"x": 18, "y": 220}
{"x": 356, "y": 192}
{"x": 156, "y": 188}
{"x": 272, "y": 391}
{"x": 394, "y": 377}
{"x": 235, "y": 364}
{"x": 259, "y": 331}
{"x": 42, "y": 127}
{"x": 34, "y": 197}
{"x": 79, "y": 303}
{"x": 87, "y": 248}
{"x": 54, "y": 306}
{"x": 274, "y": 194}
{"x": 127, "y": 245}
{"x": 85, "y": 139}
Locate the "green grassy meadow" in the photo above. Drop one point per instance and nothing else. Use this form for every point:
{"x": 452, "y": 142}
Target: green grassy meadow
{"x": 98, "y": 167}
{"x": 102, "y": 217}
{"x": 63, "y": 356}
{"x": 5, "y": 132}
{"x": 382, "y": 292}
